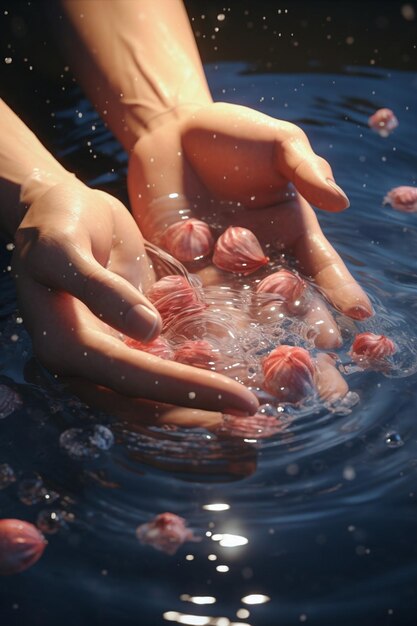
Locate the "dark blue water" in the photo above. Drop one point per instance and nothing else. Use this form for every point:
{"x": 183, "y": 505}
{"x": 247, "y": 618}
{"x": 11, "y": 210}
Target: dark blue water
{"x": 328, "y": 506}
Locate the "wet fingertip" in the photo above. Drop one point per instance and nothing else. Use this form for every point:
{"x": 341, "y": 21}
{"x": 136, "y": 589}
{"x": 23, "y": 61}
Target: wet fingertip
{"x": 344, "y": 200}
{"x": 359, "y": 312}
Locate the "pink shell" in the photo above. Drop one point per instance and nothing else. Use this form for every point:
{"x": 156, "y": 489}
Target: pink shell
{"x": 158, "y": 347}
{"x": 188, "y": 240}
{"x": 21, "y": 545}
{"x": 198, "y": 353}
{"x": 368, "y": 348}
{"x": 167, "y": 532}
{"x": 174, "y": 297}
{"x": 237, "y": 250}
{"x": 403, "y": 199}
{"x": 288, "y": 286}
{"x": 383, "y": 122}
{"x": 288, "y": 373}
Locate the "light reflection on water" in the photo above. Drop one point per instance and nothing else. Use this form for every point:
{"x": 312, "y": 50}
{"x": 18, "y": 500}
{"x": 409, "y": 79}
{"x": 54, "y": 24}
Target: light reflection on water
{"x": 319, "y": 518}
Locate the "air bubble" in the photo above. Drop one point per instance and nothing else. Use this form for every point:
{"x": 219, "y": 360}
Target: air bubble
{"x": 86, "y": 443}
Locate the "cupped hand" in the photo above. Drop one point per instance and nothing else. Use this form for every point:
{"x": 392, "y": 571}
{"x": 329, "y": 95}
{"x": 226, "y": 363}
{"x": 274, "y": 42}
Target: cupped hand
{"x": 81, "y": 270}
{"x": 232, "y": 165}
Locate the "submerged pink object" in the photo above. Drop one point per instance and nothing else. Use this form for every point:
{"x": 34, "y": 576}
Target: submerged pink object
{"x": 368, "y": 349}
{"x": 174, "y": 297}
{"x": 158, "y": 347}
{"x": 289, "y": 287}
{"x": 237, "y": 250}
{"x": 198, "y": 353}
{"x": 21, "y": 545}
{"x": 289, "y": 373}
{"x": 402, "y": 199}
{"x": 383, "y": 122}
{"x": 167, "y": 532}
{"x": 188, "y": 240}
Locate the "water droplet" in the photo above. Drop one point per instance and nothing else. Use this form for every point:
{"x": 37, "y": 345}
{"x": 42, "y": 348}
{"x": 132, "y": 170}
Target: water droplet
{"x": 50, "y": 522}
{"x": 394, "y": 440}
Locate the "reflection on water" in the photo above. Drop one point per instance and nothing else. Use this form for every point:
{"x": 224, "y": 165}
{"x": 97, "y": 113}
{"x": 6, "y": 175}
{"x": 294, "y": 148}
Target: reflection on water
{"x": 313, "y": 524}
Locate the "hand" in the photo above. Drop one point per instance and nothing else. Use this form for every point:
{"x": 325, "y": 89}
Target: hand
{"x": 238, "y": 166}
{"x": 80, "y": 268}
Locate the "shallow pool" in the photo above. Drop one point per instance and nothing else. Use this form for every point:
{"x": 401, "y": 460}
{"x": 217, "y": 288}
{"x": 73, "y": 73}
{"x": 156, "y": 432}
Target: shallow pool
{"x": 326, "y": 509}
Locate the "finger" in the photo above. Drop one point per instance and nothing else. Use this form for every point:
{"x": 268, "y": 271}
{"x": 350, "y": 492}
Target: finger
{"x": 143, "y": 412}
{"x": 321, "y": 321}
{"x": 81, "y": 347}
{"x": 67, "y": 267}
{"x": 319, "y": 260}
{"x": 311, "y": 174}
{"x": 106, "y": 360}
{"x": 330, "y": 383}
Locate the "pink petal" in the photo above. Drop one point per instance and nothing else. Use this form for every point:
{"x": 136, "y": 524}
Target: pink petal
{"x": 383, "y": 122}
{"x": 174, "y": 297}
{"x": 288, "y": 286}
{"x": 198, "y": 353}
{"x": 289, "y": 373}
{"x": 368, "y": 349}
{"x": 403, "y": 199}
{"x": 166, "y": 532}
{"x": 237, "y": 250}
{"x": 21, "y": 545}
{"x": 158, "y": 347}
{"x": 188, "y": 240}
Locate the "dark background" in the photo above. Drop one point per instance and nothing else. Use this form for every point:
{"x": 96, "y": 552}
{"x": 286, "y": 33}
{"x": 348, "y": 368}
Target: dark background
{"x": 272, "y": 36}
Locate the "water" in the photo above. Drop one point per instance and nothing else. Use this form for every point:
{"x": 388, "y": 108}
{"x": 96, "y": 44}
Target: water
{"x": 321, "y": 516}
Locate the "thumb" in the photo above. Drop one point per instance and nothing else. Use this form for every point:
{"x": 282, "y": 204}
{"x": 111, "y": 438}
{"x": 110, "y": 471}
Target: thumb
{"x": 310, "y": 173}
{"x": 110, "y": 297}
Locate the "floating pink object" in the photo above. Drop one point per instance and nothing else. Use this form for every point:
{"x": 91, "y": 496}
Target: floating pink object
{"x": 188, "y": 240}
{"x": 237, "y": 250}
{"x": 174, "y": 297}
{"x": 288, "y": 286}
{"x": 289, "y": 373}
{"x": 383, "y": 122}
{"x": 368, "y": 349}
{"x": 402, "y": 199}
{"x": 21, "y": 545}
{"x": 198, "y": 353}
{"x": 158, "y": 347}
{"x": 167, "y": 532}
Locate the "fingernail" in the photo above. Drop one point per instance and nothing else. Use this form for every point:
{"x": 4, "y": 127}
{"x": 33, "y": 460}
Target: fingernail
{"x": 359, "y": 312}
{"x": 339, "y": 190}
{"x": 141, "y": 322}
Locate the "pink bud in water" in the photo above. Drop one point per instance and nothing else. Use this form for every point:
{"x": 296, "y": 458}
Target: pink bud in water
{"x": 158, "y": 347}
{"x": 369, "y": 349}
{"x": 167, "y": 532}
{"x": 402, "y": 199}
{"x": 289, "y": 287}
{"x": 198, "y": 353}
{"x": 289, "y": 373}
{"x": 188, "y": 240}
{"x": 174, "y": 297}
{"x": 21, "y": 545}
{"x": 383, "y": 122}
{"x": 237, "y": 250}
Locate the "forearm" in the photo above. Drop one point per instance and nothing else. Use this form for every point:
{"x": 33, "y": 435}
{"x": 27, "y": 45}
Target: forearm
{"x": 25, "y": 166}
{"x": 137, "y": 61}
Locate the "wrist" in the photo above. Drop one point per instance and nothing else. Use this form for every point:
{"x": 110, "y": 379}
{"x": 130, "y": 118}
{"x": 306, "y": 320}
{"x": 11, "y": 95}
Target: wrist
{"x": 140, "y": 125}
